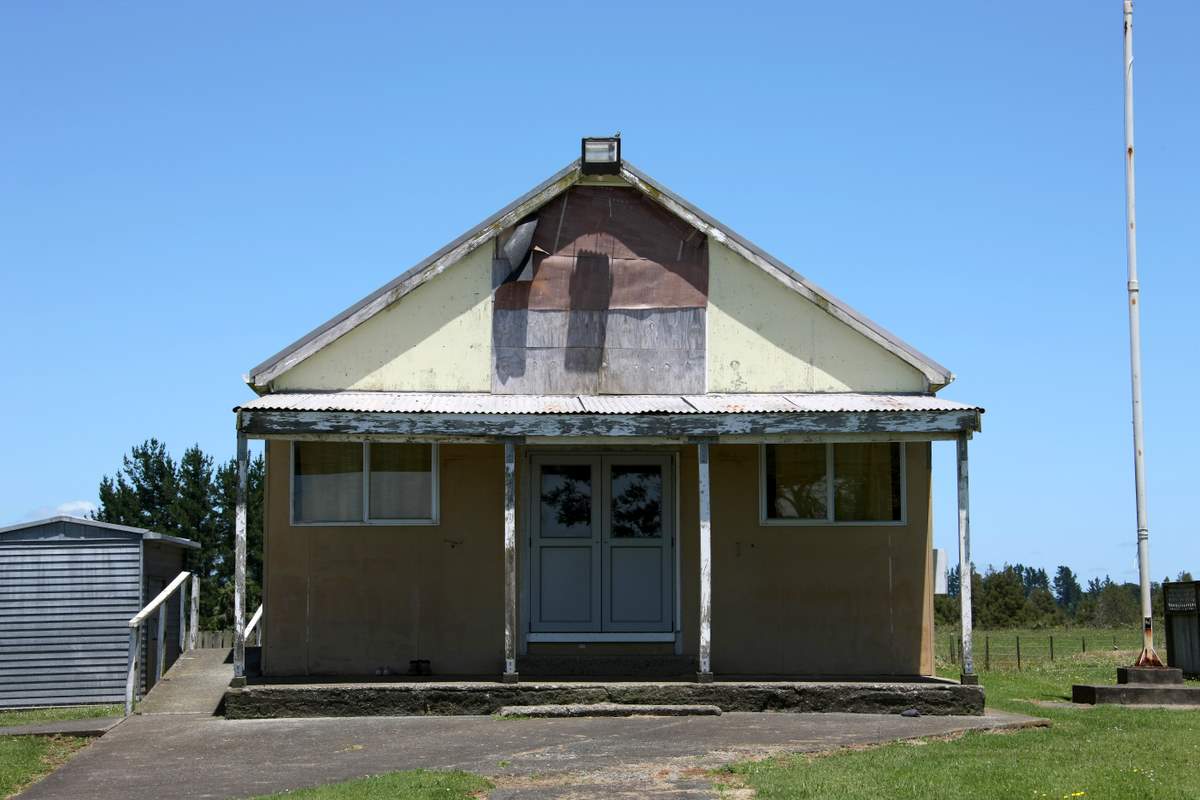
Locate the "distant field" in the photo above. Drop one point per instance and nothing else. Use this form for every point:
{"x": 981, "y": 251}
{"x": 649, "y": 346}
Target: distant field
{"x": 997, "y": 649}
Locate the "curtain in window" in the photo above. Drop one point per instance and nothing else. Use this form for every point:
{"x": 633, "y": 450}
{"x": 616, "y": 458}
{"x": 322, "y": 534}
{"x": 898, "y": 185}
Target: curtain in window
{"x": 866, "y": 482}
{"x": 327, "y": 484}
{"x": 401, "y": 481}
{"x": 796, "y": 481}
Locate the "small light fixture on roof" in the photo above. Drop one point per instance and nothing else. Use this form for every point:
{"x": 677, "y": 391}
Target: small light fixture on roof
{"x": 601, "y": 155}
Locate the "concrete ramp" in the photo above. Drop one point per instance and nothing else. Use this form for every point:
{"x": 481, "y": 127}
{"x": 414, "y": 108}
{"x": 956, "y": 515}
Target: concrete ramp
{"x": 195, "y": 684}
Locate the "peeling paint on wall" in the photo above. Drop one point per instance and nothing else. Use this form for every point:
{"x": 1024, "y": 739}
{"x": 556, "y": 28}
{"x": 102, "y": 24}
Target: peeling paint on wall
{"x": 438, "y": 338}
{"x": 762, "y": 339}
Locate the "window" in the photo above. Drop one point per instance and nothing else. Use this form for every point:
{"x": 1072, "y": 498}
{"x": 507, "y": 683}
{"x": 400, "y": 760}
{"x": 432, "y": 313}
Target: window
{"x": 830, "y": 484}
{"x": 357, "y": 483}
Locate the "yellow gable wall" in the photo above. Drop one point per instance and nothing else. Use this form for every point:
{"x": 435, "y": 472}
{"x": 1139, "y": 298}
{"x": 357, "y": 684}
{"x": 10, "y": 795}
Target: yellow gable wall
{"x": 437, "y": 338}
{"x": 763, "y": 337}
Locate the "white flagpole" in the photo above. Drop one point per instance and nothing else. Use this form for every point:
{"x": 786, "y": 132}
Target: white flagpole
{"x": 1148, "y": 656}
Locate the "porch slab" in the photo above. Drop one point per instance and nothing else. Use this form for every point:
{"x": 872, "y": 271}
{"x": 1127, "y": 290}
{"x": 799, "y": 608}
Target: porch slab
{"x": 267, "y": 701}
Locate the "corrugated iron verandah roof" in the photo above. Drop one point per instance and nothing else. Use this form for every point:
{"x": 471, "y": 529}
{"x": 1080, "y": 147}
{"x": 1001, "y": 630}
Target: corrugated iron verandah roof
{"x": 484, "y": 403}
{"x": 713, "y": 417}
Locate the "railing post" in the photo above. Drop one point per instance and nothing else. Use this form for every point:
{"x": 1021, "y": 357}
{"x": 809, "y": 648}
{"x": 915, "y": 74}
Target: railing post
{"x": 131, "y": 669}
{"x": 182, "y": 616}
{"x": 193, "y": 628}
{"x": 161, "y": 651}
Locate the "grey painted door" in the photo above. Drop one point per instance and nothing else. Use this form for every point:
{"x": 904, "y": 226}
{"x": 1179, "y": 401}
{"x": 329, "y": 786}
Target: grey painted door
{"x": 601, "y": 544}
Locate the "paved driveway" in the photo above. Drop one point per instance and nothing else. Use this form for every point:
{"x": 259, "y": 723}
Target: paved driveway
{"x": 200, "y": 756}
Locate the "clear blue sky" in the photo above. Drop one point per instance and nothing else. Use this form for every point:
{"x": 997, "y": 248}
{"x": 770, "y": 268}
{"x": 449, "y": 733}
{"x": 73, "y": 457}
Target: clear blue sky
{"x": 183, "y": 191}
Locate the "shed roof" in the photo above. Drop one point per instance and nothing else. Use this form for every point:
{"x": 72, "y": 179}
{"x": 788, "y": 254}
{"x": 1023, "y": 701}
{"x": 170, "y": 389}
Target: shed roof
{"x": 109, "y": 526}
{"x": 484, "y": 403}
{"x": 260, "y": 377}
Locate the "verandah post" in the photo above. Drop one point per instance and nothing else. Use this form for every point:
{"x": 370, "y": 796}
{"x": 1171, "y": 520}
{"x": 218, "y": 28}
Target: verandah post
{"x": 510, "y": 563}
{"x": 705, "y": 673}
{"x": 194, "y": 627}
{"x": 964, "y": 561}
{"x": 239, "y": 562}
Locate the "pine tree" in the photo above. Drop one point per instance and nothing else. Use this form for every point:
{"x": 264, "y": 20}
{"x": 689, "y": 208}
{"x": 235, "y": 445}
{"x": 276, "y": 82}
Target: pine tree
{"x": 1067, "y": 591}
{"x": 144, "y": 491}
{"x": 193, "y": 510}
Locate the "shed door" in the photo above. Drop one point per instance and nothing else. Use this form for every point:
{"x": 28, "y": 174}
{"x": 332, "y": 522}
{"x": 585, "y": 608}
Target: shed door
{"x": 601, "y": 544}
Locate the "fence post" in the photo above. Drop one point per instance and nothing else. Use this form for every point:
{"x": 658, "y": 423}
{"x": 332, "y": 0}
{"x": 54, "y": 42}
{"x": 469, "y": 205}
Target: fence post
{"x": 987, "y": 653}
{"x": 182, "y": 617}
{"x": 161, "y": 651}
{"x": 131, "y": 674}
{"x": 193, "y": 629}
{"x": 1018, "y": 653}
{"x": 1084, "y": 644}
{"x": 1051, "y": 648}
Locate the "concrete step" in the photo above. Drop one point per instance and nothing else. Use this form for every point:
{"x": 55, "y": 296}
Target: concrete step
{"x": 1136, "y": 694}
{"x": 606, "y": 666}
{"x": 560, "y": 711}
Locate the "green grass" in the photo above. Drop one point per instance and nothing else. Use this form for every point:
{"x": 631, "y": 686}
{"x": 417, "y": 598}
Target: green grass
{"x": 1001, "y": 644}
{"x": 24, "y": 759}
{"x": 35, "y": 716}
{"x": 1103, "y": 752}
{"x": 417, "y": 784}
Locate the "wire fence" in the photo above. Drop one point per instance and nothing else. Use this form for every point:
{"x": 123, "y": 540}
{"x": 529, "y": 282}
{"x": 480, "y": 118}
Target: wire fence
{"x": 1014, "y": 650}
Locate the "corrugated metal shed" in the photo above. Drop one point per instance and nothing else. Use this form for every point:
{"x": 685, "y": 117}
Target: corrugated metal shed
{"x": 483, "y": 403}
{"x": 68, "y": 587}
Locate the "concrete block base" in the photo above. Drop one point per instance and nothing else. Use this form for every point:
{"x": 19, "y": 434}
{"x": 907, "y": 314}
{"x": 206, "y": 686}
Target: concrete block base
{"x": 510, "y": 678}
{"x": 1153, "y": 676}
{"x": 704, "y": 677}
{"x": 1136, "y": 694}
{"x": 971, "y": 679}
{"x": 488, "y": 697}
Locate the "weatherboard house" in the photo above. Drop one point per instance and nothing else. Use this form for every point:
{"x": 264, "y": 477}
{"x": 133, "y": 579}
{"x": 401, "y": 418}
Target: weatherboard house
{"x": 599, "y": 434}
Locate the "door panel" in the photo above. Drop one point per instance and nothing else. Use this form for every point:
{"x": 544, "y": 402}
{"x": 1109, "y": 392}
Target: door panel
{"x": 565, "y": 544}
{"x": 637, "y": 541}
{"x": 601, "y": 544}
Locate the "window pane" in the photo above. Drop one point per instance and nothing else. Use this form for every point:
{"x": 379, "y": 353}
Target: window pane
{"x": 327, "y": 484}
{"x": 637, "y": 495}
{"x": 796, "y": 481}
{"x": 866, "y": 482}
{"x": 401, "y": 481}
{"x": 566, "y": 500}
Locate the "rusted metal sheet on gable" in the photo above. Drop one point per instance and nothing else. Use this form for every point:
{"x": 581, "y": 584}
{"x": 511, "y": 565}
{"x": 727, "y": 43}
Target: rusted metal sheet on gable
{"x": 615, "y": 302}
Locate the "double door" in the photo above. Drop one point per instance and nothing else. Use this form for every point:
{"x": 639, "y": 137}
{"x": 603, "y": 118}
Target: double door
{"x": 602, "y": 541}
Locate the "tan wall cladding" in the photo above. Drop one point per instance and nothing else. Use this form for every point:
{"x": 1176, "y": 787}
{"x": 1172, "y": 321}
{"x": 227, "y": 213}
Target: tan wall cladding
{"x": 786, "y": 600}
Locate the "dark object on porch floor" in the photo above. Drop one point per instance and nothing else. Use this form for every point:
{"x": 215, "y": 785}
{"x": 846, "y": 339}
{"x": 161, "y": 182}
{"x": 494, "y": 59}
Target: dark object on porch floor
{"x": 1140, "y": 686}
{"x": 488, "y": 697}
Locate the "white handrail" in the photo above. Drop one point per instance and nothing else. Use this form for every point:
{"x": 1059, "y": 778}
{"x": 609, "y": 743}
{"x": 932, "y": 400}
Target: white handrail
{"x": 135, "y": 626}
{"x": 253, "y": 623}
{"x": 140, "y": 617}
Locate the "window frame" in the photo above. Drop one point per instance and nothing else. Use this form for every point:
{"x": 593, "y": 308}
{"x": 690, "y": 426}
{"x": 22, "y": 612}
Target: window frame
{"x": 830, "y": 519}
{"x": 365, "y": 519}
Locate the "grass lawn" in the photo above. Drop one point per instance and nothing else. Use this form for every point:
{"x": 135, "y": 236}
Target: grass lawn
{"x": 34, "y": 716}
{"x": 417, "y": 784}
{"x": 1101, "y": 752}
{"x": 24, "y": 759}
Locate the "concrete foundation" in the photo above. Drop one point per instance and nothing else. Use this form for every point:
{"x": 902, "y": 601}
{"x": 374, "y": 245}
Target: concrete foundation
{"x": 409, "y": 699}
{"x": 1140, "y": 686}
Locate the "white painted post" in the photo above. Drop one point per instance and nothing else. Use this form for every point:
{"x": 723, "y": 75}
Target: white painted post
{"x": 239, "y": 563}
{"x": 510, "y": 563}
{"x": 964, "y": 562}
{"x": 195, "y": 622}
{"x": 182, "y": 617}
{"x": 705, "y": 674}
{"x": 161, "y": 651}
{"x": 132, "y": 669}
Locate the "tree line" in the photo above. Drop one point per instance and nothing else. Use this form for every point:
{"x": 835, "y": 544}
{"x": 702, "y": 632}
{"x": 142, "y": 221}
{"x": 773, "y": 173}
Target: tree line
{"x": 194, "y": 498}
{"x": 1020, "y": 596}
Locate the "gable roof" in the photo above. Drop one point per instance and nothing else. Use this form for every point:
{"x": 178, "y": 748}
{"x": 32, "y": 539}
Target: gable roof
{"x": 260, "y": 377}
{"x": 107, "y": 526}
